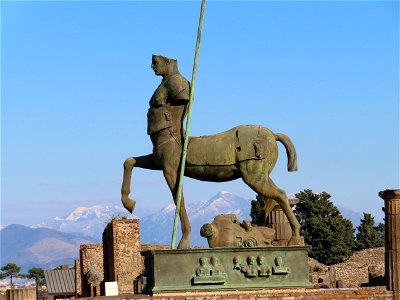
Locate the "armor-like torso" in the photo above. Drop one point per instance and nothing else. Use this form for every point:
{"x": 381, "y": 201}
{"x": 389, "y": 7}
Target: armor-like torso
{"x": 168, "y": 105}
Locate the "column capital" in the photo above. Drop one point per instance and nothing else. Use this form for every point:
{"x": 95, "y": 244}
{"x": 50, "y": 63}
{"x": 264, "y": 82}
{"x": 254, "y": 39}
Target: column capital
{"x": 390, "y": 194}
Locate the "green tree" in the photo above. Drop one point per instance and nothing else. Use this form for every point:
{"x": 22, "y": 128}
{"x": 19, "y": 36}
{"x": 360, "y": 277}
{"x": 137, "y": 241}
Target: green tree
{"x": 256, "y": 213}
{"x": 381, "y": 231}
{"x": 368, "y": 235}
{"x": 381, "y": 228}
{"x": 11, "y": 270}
{"x": 324, "y": 228}
{"x": 38, "y": 275}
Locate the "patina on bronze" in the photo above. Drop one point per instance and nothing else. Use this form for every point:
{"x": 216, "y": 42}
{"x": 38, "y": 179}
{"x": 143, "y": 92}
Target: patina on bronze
{"x": 249, "y": 152}
{"x": 227, "y": 231}
{"x": 225, "y": 269}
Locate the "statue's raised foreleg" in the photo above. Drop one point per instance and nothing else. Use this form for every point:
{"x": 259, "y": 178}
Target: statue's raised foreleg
{"x": 144, "y": 162}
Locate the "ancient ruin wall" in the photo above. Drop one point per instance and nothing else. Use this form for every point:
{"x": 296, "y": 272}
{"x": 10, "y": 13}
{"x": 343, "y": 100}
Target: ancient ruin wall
{"x": 91, "y": 258}
{"x": 78, "y": 278}
{"x": 122, "y": 259}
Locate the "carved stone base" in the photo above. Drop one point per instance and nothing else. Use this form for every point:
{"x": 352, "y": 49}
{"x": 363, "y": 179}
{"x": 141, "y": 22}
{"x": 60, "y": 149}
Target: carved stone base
{"x": 225, "y": 269}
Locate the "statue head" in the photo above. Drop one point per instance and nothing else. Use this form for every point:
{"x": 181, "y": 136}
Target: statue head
{"x": 237, "y": 260}
{"x": 215, "y": 261}
{"x": 261, "y": 260}
{"x": 251, "y": 260}
{"x": 279, "y": 261}
{"x": 206, "y": 230}
{"x": 203, "y": 261}
{"x": 164, "y": 66}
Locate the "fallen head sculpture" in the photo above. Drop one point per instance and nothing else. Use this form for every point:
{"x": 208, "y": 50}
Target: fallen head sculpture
{"x": 226, "y": 231}
{"x": 249, "y": 152}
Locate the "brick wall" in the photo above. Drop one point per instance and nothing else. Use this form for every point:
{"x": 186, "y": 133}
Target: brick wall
{"x": 122, "y": 259}
{"x": 272, "y": 294}
{"x": 78, "y": 278}
{"x": 92, "y": 270}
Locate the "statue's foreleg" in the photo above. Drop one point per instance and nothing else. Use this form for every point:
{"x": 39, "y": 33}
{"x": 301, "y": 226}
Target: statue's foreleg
{"x": 144, "y": 162}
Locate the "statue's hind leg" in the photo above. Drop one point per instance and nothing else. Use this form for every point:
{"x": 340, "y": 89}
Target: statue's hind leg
{"x": 269, "y": 205}
{"x": 259, "y": 181}
{"x": 170, "y": 175}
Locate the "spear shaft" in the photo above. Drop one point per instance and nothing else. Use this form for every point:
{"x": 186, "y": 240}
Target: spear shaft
{"x": 188, "y": 120}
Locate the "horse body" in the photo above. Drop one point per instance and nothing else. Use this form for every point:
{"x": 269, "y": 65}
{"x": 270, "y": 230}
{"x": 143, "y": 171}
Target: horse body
{"x": 216, "y": 157}
{"x": 249, "y": 152}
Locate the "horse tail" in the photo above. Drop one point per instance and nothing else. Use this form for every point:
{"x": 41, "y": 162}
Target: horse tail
{"x": 290, "y": 151}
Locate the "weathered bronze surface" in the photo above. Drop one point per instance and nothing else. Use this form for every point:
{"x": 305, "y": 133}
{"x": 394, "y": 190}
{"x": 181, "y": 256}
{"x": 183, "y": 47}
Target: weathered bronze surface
{"x": 248, "y": 151}
{"x": 226, "y": 231}
{"x": 225, "y": 268}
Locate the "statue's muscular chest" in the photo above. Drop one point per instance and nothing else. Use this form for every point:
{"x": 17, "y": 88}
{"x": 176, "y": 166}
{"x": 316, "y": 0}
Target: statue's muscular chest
{"x": 159, "y": 97}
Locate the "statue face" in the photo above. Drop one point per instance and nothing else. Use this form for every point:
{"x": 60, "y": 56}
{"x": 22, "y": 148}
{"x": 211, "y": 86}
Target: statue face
{"x": 159, "y": 65}
{"x": 203, "y": 261}
{"x": 251, "y": 260}
{"x": 279, "y": 261}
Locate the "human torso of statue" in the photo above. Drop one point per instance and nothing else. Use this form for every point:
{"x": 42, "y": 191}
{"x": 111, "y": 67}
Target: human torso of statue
{"x": 168, "y": 105}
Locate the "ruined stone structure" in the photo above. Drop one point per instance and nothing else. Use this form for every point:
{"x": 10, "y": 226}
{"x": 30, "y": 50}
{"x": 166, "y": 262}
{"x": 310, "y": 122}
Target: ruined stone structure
{"x": 364, "y": 268}
{"x": 392, "y": 240}
{"x": 121, "y": 248}
{"x": 78, "y": 279}
{"x": 21, "y": 294}
{"x": 91, "y": 269}
{"x": 278, "y": 221}
{"x": 118, "y": 259}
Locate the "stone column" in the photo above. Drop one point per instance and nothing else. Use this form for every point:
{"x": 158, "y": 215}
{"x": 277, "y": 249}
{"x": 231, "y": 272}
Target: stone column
{"x": 392, "y": 240}
{"x": 278, "y": 221}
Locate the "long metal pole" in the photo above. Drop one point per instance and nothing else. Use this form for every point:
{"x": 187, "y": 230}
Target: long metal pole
{"x": 188, "y": 120}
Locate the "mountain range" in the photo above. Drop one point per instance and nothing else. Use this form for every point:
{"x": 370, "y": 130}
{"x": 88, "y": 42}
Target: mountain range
{"x": 157, "y": 228}
{"x": 39, "y": 247}
{"x": 57, "y": 241}
{"x": 89, "y": 221}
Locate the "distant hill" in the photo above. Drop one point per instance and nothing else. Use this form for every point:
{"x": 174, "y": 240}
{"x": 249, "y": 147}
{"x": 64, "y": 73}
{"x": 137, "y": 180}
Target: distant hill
{"x": 39, "y": 247}
{"x": 354, "y": 216}
{"x": 48, "y": 248}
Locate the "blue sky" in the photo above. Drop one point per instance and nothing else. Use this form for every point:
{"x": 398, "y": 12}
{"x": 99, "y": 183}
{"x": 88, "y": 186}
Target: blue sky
{"x": 76, "y": 81}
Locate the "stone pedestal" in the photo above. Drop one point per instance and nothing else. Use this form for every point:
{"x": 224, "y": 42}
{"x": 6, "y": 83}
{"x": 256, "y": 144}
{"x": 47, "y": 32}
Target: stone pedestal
{"x": 225, "y": 269}
{"x": 392, "y": 240}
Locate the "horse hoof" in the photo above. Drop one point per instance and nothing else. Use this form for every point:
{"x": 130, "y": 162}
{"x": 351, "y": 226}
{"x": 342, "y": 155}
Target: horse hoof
{"x": 296, "y": 241}
{"x": 128, "y": 203}
{"x": 184, "y": 244}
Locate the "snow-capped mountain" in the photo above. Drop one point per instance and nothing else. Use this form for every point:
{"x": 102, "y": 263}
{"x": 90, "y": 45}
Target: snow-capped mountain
{"x": 89, "y": 221}
{"x": 157, "y": 228}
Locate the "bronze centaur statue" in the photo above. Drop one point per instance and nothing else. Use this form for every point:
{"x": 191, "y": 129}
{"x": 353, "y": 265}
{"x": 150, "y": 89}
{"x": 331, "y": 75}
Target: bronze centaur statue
{"x": 247, "y": 151}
